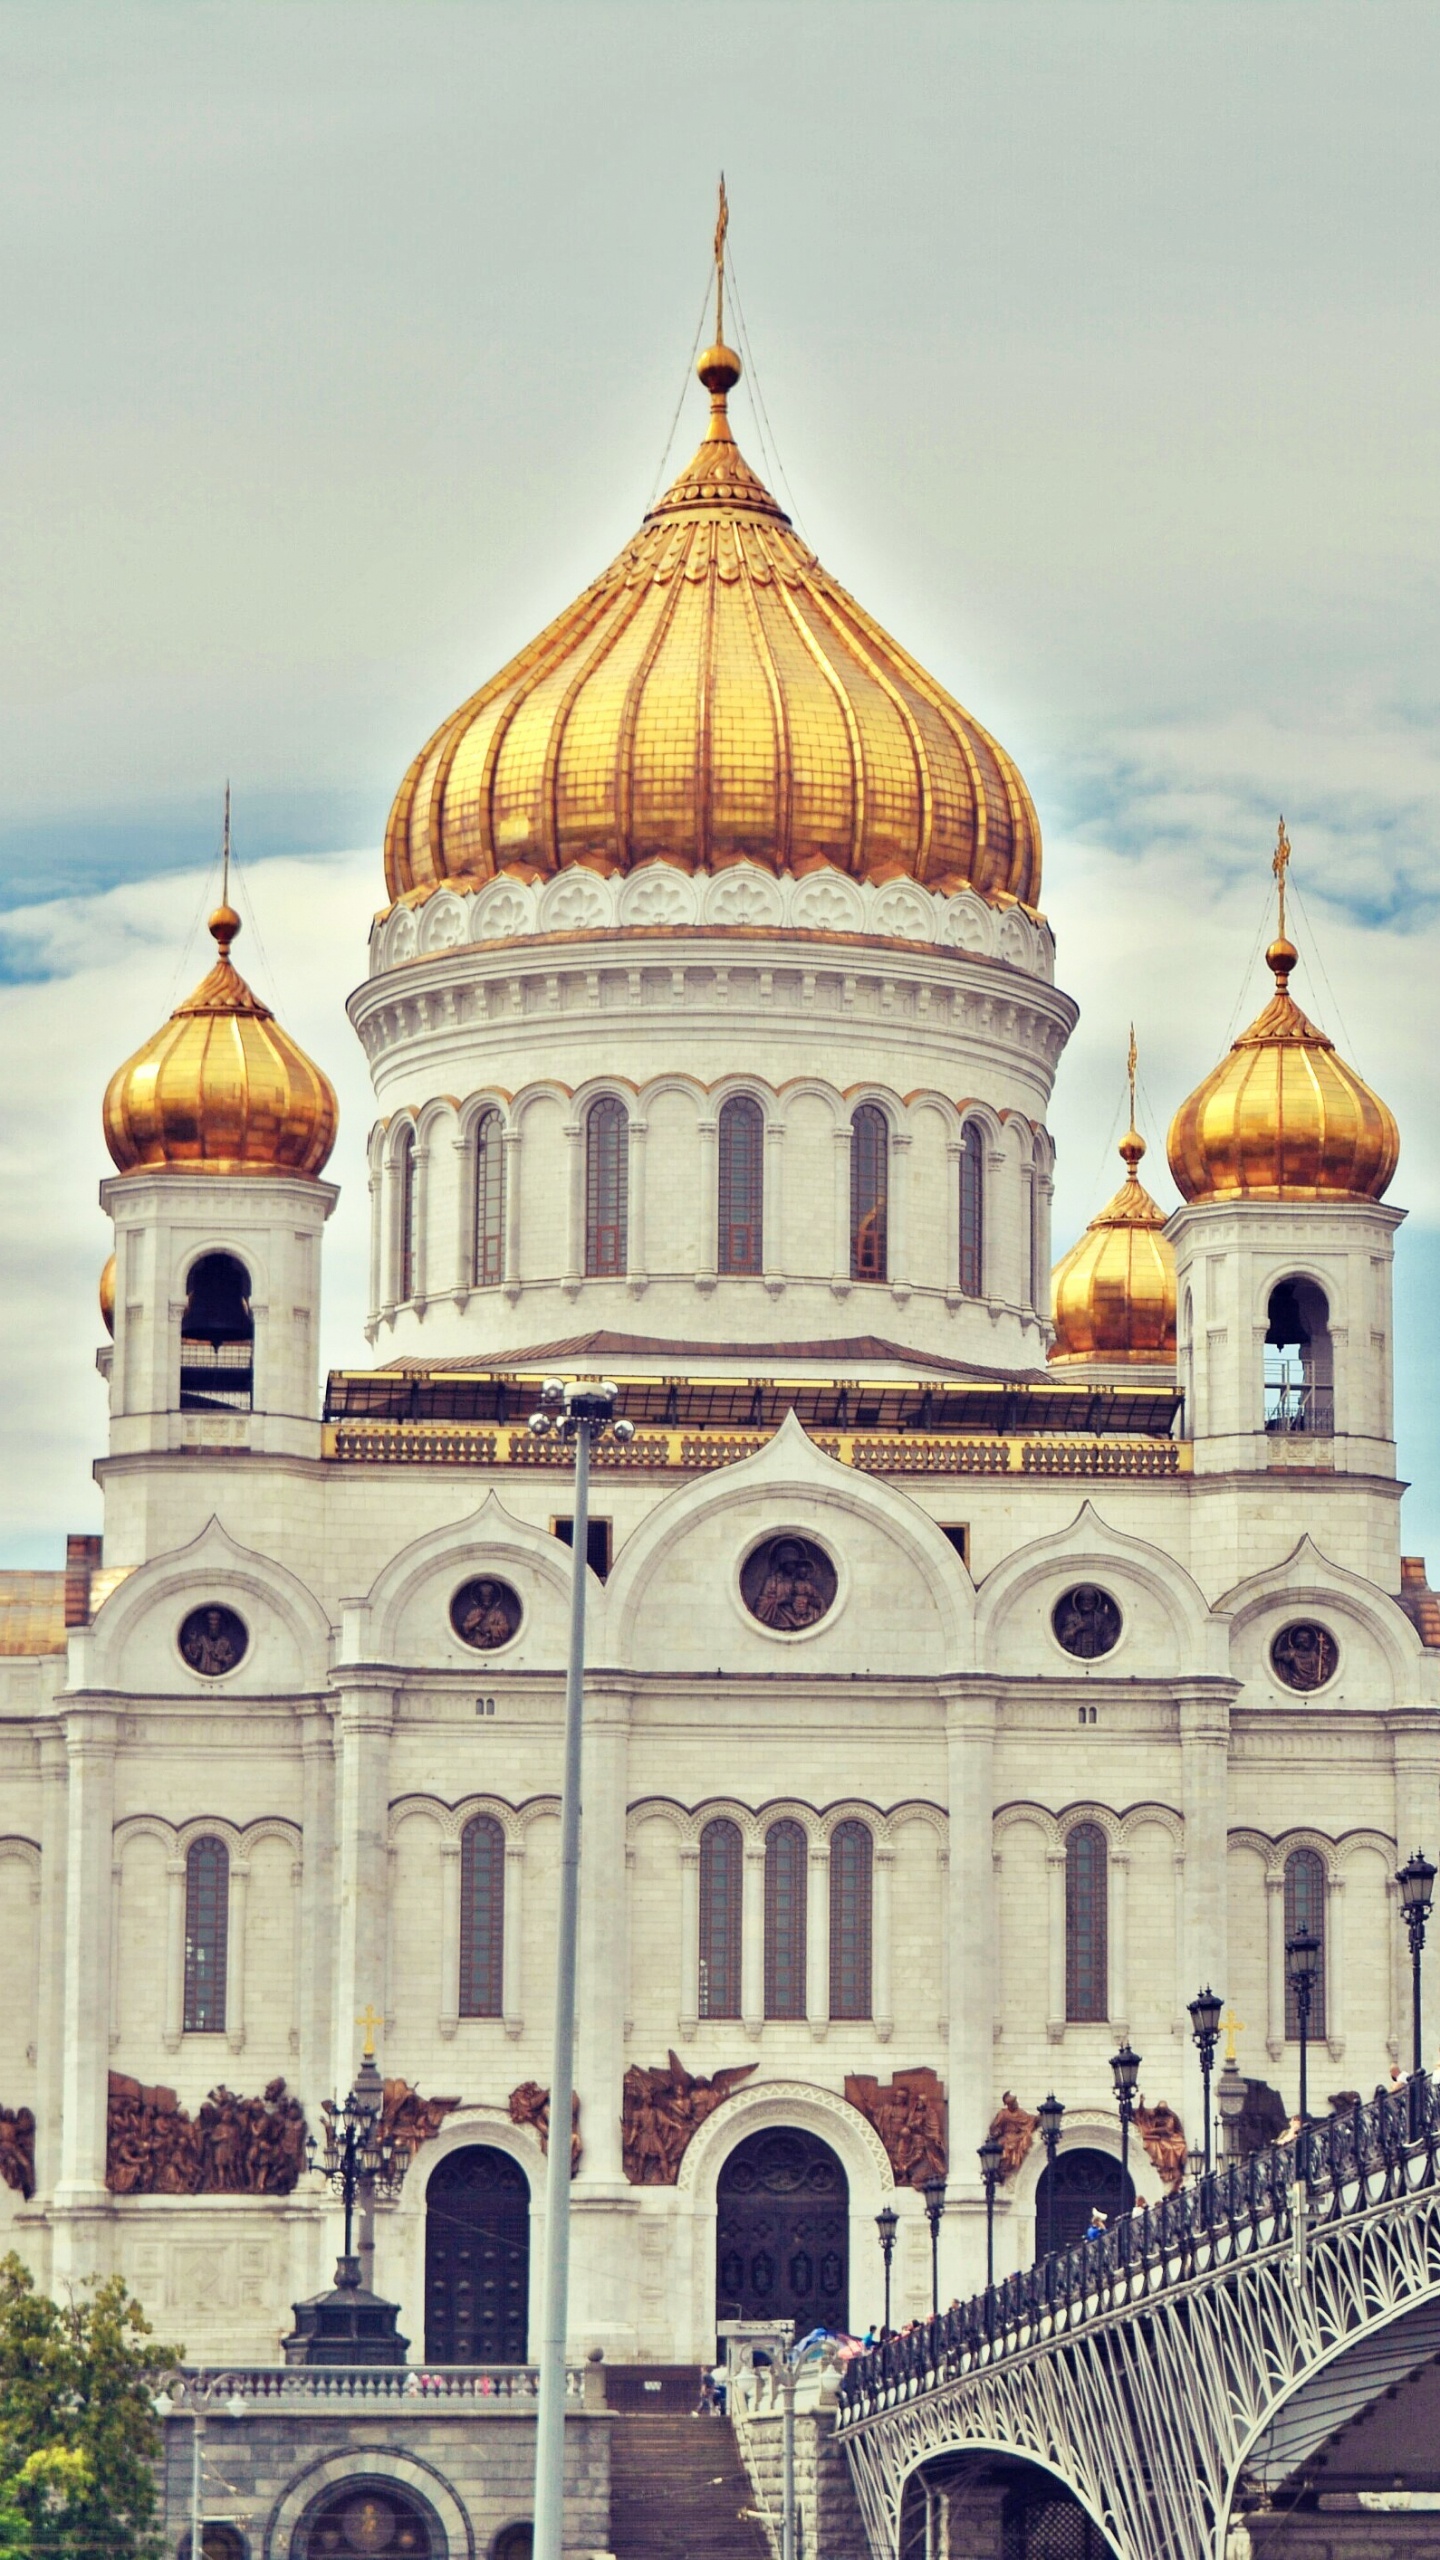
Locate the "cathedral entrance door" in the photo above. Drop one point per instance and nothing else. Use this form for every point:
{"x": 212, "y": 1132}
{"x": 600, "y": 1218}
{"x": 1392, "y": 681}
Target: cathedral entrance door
{"x": 1080, "y": 2182}
{"x": 783, "y": 2232}
{"x": 477, "y": 2259}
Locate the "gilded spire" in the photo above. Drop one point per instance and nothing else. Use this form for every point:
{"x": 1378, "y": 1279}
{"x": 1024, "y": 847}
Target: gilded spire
{"x": 1113, "y": 1295}
{"x": 719, "y": 366}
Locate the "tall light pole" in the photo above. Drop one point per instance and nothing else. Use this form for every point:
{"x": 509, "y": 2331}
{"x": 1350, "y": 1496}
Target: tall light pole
{"x": 1416, "y": 1880}
{"x": 1051, "y": 2112}
{"x": 1124, "y": 2075}
{"x": 581, "y": 1412}
{"x": 1302, "y": 1956}
{"x": 992, "y": 2162}
{"x": 934, "y": 2193}
{"x": 887, "y": 2222}
{"x": 1205, "y": 2011}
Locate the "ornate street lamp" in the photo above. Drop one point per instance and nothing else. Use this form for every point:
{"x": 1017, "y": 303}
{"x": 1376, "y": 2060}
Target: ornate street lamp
{"x": 992, "y": 2162}
{"x": 887, "y": 2223}
{"x": 934, "y": 2193}
{"x": 1302, "y": 1958}
{"x": 1205, "y": 2011}
{"x": 579, "y": 1411}
{"x": 1125, "y": 2074}
{"x": 357, "y": 2157}
{"x": 1416, "y": 1880}
{"x": 1051, "y": 2112}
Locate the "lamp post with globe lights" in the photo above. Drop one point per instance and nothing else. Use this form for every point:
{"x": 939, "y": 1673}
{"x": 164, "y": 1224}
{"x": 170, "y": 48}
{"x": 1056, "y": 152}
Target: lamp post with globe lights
{"x": 579, "y": 1411}
{"x": 1416, "y": 1880}
{"x": 1124, "y": 2076}
{"x": 1205, "y": 2011}
{"x": 1302, "y": 1960}
{"x": 1051, "y": 2112}
{"x": 934, "y": 2194}
{"x": 992, "y": 2162}
{"x": 887, "y": 2223}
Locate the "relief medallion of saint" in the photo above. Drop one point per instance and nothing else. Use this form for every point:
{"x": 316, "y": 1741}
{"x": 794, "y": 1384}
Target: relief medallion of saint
{"x": 788, "y": 1584}
{"x": 213, "y": 1641}
{"x": 1305, "y": 1656}
{"x": 485, "y": 1613}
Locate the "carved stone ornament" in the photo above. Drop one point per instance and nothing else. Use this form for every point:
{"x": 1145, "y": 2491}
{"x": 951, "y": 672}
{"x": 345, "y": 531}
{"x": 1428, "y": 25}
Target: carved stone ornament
{"x": 908, "y": 2113}
{"x": 17, "y": 2149}
{"x": 1014, "y": 2128}
{"x": 213, "y": 1641}
{"x": 530, "y": 2104}
{"x": 1087, "y": 1622}
{"x": 1304, "y": 1655}
{"x": 233, "y": 2146}
{"x": 662, "y": 2109}
{"x": 408, "y": 2118}
{"x": 788, "y": 1584}
{"x": 1163, "y": 2135}
{"x": 485, "y": 1613}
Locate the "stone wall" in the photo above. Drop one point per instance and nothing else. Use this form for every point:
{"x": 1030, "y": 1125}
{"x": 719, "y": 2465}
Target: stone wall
{"x": 830, "y": 2526}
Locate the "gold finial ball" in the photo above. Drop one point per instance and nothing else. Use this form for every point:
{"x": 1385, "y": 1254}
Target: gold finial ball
{"x": 1281, "y": 958}
{"x": 719, "y": 369}
{"x": 107, "y": 1296}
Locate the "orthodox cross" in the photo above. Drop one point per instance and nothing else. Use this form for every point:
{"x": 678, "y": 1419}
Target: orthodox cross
{"x": 225, "y": 882}
{"x": 1132, "y": 1060}
{"x": 369, "y": 2019}
{"x": 1231, "y": 2026}
{"x": 722, "y": 225}
{"x": 1280, "y": 865}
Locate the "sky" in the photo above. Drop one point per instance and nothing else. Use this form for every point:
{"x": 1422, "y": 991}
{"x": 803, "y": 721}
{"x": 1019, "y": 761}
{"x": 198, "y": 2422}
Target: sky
{"x": 1098, "y": 352}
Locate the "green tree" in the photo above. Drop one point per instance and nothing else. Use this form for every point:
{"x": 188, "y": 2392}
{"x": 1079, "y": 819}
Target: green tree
{"x": 77, "y": 2380}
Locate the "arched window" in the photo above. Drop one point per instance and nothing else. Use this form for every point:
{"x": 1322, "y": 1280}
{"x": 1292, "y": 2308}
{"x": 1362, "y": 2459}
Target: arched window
{"x": 489, "y": 1199}
{"x": 742, "y": 1184}
{"x": 721, "y": 1866}
{"x": 1305, "y": 1914}
{"x": 217, "y": 1337}
{"x": 787, "y": 1857}
{"x": 1299, "y": 1360}
{"x": 607, "y": 1187}
{"x": 405, "y": 1217}
{"x": 1087, "y": 1989}
{"x": 482, "y": 1918}
{"x": 869, "y": 1193}
{"x": 972, "y": 1210}
{"x": 207, "y": 1916}
{"x": 851, "y": 1851}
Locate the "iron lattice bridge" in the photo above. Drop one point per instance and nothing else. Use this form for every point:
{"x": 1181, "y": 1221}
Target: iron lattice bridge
{"x": 1193, "y": 2341}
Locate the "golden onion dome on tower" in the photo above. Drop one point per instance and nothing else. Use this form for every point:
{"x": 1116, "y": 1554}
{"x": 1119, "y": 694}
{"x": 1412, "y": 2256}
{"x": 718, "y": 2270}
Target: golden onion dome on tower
{"x": 1283, "y": 1117}
{"x": 221, "y": 1088}
{"x": 1113, "y": 1295}
{"x": 715, "y": 697}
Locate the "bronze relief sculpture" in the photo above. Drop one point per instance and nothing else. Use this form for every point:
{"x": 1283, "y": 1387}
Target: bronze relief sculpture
{"x": 213, "y": 1641}
{"x": 485, "y": 1613}
{"x": 1305, "y": 1656}
{"x": 789, "y": 1584}
{"x": 530, "y": 2104}
{"x": 17, "y": 2149}
{"x": 231, "y": 2146}
{"x": 908, "y": 2113}
{"x": 663, "y": 2108}
{"x": 1014, "y": 2128}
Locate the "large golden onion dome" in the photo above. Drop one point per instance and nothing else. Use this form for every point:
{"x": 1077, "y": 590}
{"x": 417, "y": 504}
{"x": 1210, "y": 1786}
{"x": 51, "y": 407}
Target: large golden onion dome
{"x": 1282, "y": 1117}
{"x": 1113, "y": 1295}
{"x": 221, "y": 1088}
{"x": 715, "y": 697}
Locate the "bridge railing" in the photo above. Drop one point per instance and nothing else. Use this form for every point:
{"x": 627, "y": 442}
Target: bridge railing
{"x": 1352, "y": 2159}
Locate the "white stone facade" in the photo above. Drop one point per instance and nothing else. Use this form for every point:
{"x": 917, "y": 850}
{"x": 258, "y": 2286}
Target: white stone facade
{"x": 339, "y": 1763}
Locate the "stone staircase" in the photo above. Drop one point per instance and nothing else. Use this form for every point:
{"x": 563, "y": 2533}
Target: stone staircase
{"x": 677, "y": 2483}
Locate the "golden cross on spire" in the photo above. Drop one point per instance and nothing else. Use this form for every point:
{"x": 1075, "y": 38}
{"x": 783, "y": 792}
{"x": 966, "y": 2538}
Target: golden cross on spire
{"x": 1280, "y": 865}
{"x": 369, "y": 2019}
{"x": 722, "y": 226}
{"x": 1132, "y": 1060}
{"x": 1231, "y": 2027}
{"x": 225, "y": 883}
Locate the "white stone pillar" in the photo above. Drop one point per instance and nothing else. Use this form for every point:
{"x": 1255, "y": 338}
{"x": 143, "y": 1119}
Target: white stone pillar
{"x": 951, "y": 1260}
{"x": 449, "y": 2018}
{"x": 50, "y": 2030}
{"x": 1335, "y": 1966}
{"x": 174, "y": 2012}
{"x": 317, "y": 1908}
{"x": 1055, "y": 1941}
{"x": 81, "y": 2193}
{"x": 817, "y": 1939}
{"x": 970, "y": 1790}
{"x": 636, "y": 1264}
{"x": 462, "y": 1233}
{"x": 366, "y": 1717}
{"x": 1275, "y": 1965}
{"x": 297, "y": 1950}
{"x": 377, "y": 1230}
{"x": 574, "y": 1133}
{"x": 601, "y": 1987}
{"x": 117, "y": 1889}
{"x": 513, "y": 1231}
{"x": 235, "y": 1955}
{"x": 897, "y": 1216}
{"x": 689, "y": 1939}
{"x": 1118, "y": 1995}
{"x": 424, "y": 1255}
{"x": 752, "y": 1938}
{"x": 1204, "y": 1777}
{"x": 513, "y": 1937}
{"x": 772, "y": 1230}
{"x": 707, "y": 1174}
{"x": 840, "y": 1250}
{"x": 882, "y": 1882}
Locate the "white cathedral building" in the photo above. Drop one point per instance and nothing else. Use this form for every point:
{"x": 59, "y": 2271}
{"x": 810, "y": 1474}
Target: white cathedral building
{"x": 980, "y": 1662}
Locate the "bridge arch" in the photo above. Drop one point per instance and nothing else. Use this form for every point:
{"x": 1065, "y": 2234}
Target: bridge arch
{"x": 993, "y": 2483}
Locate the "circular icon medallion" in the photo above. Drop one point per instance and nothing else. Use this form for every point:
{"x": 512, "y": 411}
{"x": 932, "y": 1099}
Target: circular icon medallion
{"x": 213, "y": 1641}
{"x": 788, "y": 1584}
{"x": 485, "y": 1613}
{"x": 1305, "y": 1656}
{"x": 1086, "y": 1621}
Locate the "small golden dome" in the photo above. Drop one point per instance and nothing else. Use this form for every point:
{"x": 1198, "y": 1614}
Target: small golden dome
{"x": 715, "y": 697}
{"x": 1282, "y": 1117}
{"x": 221, "y": 1088}
{"x": 1113, "y": 1296}
{"x": 107, "y": 1295}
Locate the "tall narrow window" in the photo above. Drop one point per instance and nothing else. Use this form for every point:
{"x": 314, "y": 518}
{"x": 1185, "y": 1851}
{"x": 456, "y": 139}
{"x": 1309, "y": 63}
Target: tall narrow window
{"x": 482, "y": 1918}
{"x": 972, "y": 1210}
{"x": 721, "y": 1865}
{"x": 787, "y": 1858}
{"x": 607, "y": 1187}
{"x": 489, "y": 1199}
{"x": 405, "y": 1217}
{"x": 207, "y": 1914}
{"x": 742, "y": 1184}
{"x": 869, "y": 1193}
{"x": 851, "y": 1852}
{"x": 1087, "y": 1990}
{"x": 1305, "y": 1914}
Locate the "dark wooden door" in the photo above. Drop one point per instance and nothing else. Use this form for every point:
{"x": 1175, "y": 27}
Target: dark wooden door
{"x": 783, "y": 2232}
{"x": 477, "y": 2259}
{"x": 1079, "y": 2182}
